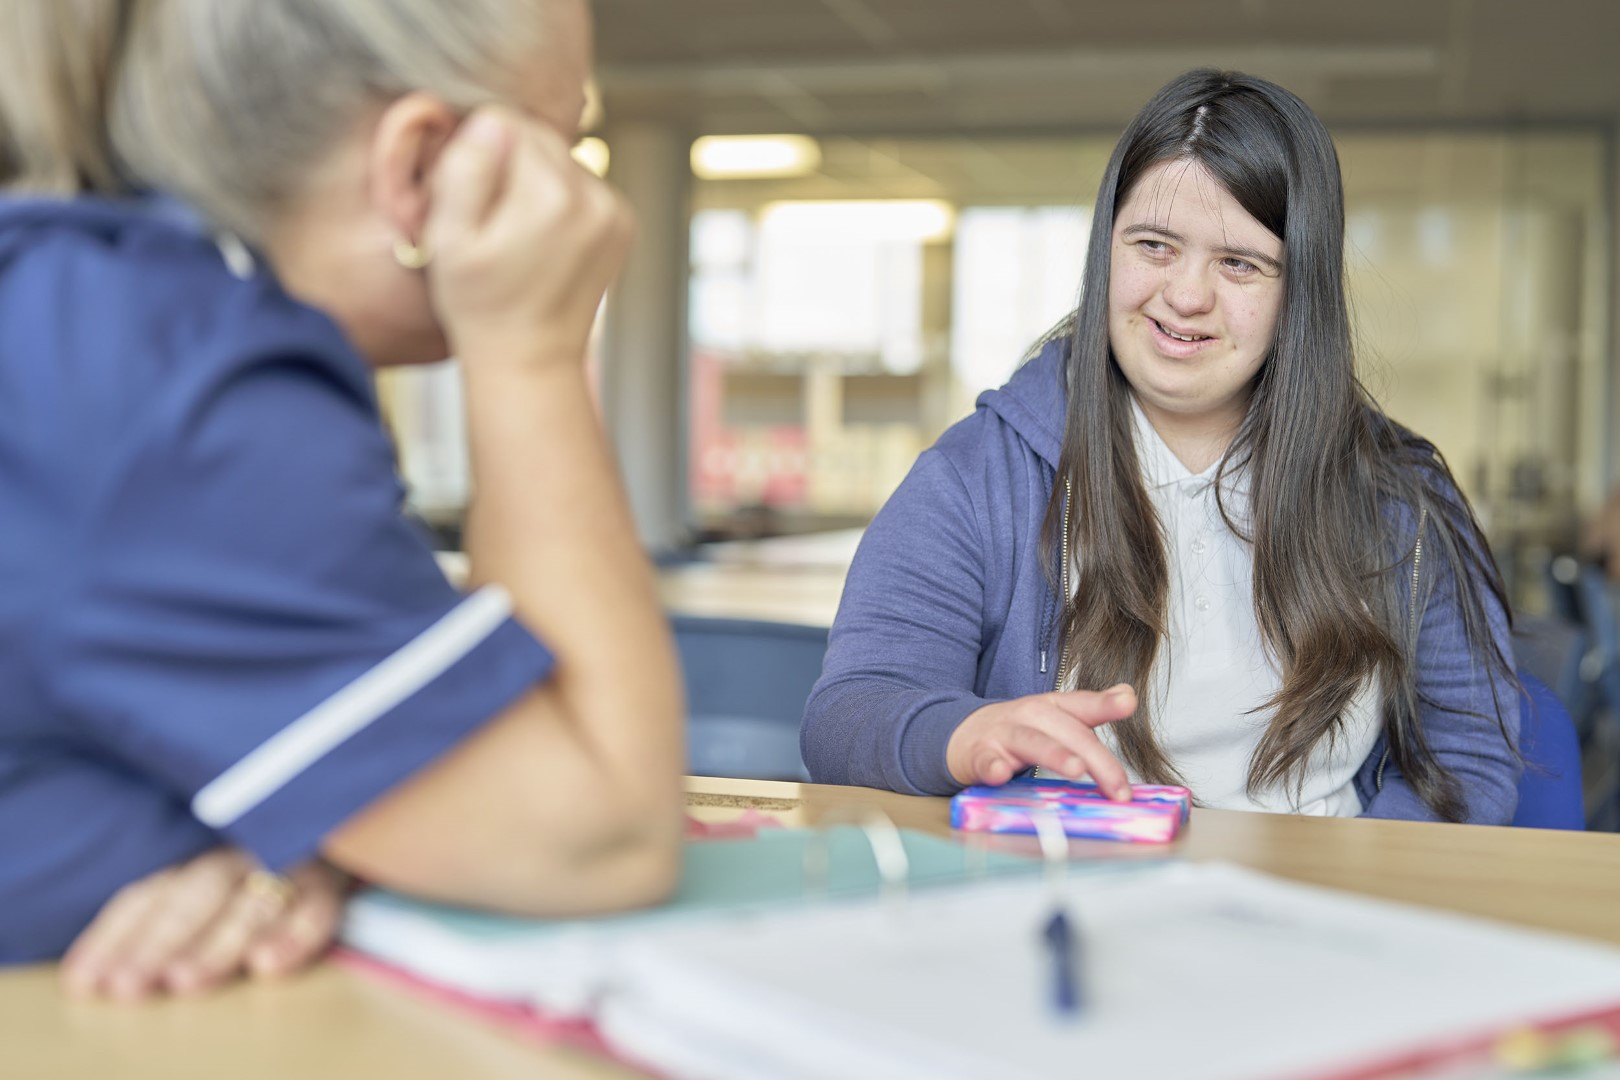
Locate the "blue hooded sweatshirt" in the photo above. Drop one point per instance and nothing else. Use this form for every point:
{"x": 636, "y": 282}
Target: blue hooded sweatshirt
{"x": 948, "y": 608}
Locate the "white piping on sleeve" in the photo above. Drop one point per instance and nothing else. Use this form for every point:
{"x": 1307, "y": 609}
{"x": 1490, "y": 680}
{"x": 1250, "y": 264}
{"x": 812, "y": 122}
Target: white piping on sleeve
{"x": 280, "y": 758}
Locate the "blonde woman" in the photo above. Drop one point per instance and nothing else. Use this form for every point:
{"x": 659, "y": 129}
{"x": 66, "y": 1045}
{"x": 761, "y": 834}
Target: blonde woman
{"x": 216, "y": 629}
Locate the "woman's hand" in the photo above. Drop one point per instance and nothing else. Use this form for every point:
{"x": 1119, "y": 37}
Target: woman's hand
{"x": 525, "y": 242}
{"x": 1054, "y": 731}
{"x": 198, "y": 925}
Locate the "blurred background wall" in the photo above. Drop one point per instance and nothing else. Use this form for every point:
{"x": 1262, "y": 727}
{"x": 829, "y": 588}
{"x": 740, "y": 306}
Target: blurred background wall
{"x": 806, "y": 312}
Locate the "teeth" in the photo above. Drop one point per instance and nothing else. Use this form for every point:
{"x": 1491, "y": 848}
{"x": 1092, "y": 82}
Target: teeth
{"x": 1171, "y": 333}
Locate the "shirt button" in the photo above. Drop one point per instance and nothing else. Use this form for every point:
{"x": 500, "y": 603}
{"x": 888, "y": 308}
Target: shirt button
{"x": 1198, "y": 546}
{"x": 1201, "y": 602}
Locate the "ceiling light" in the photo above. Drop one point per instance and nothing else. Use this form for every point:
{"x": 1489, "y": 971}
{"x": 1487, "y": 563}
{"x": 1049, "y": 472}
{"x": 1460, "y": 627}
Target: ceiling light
{"x": 754, "y": 157}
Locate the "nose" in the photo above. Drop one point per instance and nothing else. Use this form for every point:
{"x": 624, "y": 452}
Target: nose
{"x": 1188, "y": 288}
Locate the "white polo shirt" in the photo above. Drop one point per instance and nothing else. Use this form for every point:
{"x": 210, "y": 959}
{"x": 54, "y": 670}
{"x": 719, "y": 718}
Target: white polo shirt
{"x": 1213, "y": 674}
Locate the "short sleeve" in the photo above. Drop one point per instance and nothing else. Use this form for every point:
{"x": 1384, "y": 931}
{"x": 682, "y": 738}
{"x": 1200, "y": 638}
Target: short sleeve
{"x": 251, "y": 622}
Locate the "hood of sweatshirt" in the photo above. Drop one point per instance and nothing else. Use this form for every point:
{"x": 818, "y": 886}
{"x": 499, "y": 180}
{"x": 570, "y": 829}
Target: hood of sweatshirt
{"x": 1033, "y": 402}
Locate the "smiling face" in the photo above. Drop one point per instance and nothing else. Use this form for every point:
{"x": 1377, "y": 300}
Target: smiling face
{"x": 1194, "y": 290}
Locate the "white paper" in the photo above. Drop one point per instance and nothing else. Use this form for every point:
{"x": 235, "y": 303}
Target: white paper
{"x": 1193, "y": 971}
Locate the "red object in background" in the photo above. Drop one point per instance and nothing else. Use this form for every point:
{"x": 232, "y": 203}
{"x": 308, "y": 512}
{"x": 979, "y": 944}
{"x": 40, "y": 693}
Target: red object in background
{"x": 787, "y": 469}
{"x": 735, "y": 468}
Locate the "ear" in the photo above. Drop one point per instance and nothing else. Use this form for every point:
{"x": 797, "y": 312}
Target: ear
{"x": 405, "y": 145}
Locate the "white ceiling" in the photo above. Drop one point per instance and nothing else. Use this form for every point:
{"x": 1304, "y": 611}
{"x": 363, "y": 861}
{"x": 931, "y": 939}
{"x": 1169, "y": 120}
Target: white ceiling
{"x": 965, "y": 65}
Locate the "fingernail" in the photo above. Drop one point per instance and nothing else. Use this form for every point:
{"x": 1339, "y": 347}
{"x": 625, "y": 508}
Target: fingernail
{"x": 487, "y": 128}
{"x": 1119, "y": 692}
{"x": 127, "y": 985}
{"x": 80, "y": 980}
{"x": 264, "y": 959}
{"x": 182, "y": 977}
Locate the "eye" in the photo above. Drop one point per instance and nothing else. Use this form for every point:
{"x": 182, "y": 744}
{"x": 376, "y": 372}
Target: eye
{"x": 1153, "y": 247}
{"x": 1239, "y": 267}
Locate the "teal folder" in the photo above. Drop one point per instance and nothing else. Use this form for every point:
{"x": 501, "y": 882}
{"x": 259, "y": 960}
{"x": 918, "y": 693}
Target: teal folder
{"x": 556, "y": 963}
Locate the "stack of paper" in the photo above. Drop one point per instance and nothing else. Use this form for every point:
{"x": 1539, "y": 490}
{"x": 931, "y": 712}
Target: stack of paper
{"x": 1192, "y": 971}
{"x": 1199, "y": 972}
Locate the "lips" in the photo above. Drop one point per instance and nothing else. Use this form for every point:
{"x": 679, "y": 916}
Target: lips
{"x": 1178, "y": 342}
{"x": 1175, "y": 334}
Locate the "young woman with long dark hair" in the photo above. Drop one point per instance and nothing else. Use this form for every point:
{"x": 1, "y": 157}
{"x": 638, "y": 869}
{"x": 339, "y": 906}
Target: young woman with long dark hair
{"x": 1183, "y": 544}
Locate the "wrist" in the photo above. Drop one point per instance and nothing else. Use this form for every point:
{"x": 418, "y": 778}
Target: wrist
{"x": 497, "y": 349}
{"x": 516, "y": 379}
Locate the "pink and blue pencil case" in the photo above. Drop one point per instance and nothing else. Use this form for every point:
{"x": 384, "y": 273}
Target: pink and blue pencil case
{"x": 1154, "y": 815}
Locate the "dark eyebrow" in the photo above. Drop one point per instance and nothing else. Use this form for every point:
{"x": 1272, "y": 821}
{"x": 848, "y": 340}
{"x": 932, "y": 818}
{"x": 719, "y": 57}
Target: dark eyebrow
{"x": 1176, "y": 238}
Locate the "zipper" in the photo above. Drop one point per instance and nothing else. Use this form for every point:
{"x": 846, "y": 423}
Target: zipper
{"x": 1411, "y": 620}
{"x": 1063, "y": 601}
{"x": 1063, "y": 585}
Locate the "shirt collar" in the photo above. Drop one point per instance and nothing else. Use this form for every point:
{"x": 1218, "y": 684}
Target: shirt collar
{"x": 1161, "y": 468}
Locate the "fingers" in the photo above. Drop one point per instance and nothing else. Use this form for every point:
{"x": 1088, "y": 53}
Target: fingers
{"x": 1073, "y": 751}
{"x": 147, "y": 926}
{"x": 95, "y": 955}
{"x": 217, "y": 954}
{"x": 190, "y": 904}
{"x": 306, "y": 929}
{"x": 1054, "y": 731}
{"x": 471, "y": 172}
{"x": 201, "y": 924}
{"x": 1096, "y": 708}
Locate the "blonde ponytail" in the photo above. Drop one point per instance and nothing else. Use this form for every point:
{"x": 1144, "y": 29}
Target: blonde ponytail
{"x": 57, "y": 60}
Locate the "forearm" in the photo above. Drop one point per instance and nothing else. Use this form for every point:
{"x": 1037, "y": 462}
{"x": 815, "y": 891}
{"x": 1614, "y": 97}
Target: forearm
{"x": 877, "y": 732}
{"x": 570, "y": 800}
{"x": 550, "y": 523}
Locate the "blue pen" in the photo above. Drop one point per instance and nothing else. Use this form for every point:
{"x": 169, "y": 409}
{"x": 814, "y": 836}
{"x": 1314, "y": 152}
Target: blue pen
{"x": 1063, "y": 946}
{"x": 1059, "y": 935}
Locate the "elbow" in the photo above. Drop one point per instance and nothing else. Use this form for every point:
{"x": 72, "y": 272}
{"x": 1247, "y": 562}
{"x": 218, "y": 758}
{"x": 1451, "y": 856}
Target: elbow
{"x": 823, "y": 752}
{"x": 643, "y": 875}
{"x": 1495, "y": 802}
{"x": 635, "y": 862}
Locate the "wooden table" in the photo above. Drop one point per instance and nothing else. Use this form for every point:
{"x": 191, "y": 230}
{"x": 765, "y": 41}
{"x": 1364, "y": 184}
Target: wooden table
{"x": 333, "y": 1023}
{"x": 806, "y": 594}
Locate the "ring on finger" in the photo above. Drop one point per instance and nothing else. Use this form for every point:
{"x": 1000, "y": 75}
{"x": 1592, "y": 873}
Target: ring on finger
{"x": 270, "y": 893}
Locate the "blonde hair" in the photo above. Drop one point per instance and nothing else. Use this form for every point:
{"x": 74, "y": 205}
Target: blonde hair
{"x": 229, "y": 104}
{"x": 56, "y": 61}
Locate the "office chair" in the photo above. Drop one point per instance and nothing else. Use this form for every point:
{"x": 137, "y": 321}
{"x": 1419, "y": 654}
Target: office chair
{"x": 1550, "y": 791}
{"x": 746, "y": 685}
{"x": 1552, "y": 648}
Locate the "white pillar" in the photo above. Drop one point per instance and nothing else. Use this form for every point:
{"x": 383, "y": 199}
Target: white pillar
{"x": 643, "y": 375}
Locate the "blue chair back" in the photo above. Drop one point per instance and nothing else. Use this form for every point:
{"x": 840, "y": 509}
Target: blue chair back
{"x": 1550, "y": 791}
{"x": 746, "y": 685}
{"x": 1551, "y": 648}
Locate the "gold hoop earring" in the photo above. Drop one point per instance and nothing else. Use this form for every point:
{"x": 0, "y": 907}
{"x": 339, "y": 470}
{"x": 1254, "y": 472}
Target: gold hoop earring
{"x": 411, "y": 256}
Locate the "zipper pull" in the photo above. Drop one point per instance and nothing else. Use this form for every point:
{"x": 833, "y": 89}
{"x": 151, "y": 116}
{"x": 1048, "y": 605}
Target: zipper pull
{"x": 1043, "y": 661}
